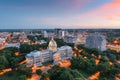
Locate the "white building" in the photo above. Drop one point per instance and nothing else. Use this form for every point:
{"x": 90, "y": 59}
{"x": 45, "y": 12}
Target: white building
{"x": 52, "y": 45}
{"x": 52, "y": 53}
{"x": 96, "y": 41}
{"x": 40, "y": 42}
{"x": 2, "y": 43}
{"x": 38, "y": 57}
{"x": 17, "y": 45}
{"x": 70, "y": 39}
{"x": 45, "y": 34}
{"x": 63, "y": 53}
{"x": 81, "y": 39}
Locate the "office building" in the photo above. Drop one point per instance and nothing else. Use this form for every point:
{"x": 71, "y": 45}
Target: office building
{"x": 96, "y": 40}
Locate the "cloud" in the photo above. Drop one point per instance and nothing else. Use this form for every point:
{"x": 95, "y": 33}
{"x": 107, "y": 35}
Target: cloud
{"x": 103, "y": 16}
{"x": 108, "y": 11}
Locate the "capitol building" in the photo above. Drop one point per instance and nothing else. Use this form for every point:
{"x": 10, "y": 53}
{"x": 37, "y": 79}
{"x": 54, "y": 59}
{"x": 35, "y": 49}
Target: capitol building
{"x": 51, "y": 54}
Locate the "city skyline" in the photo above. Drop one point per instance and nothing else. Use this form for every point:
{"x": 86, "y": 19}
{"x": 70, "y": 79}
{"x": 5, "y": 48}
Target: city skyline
{"x": 44, "y": 14}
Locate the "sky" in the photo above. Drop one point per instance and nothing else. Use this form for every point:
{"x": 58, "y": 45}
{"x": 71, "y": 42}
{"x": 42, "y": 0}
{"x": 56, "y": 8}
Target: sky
{"x": 45, "y": 14}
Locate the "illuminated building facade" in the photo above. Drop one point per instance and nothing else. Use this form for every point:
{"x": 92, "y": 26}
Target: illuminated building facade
{"x": 38, "y": 57}
{"x": 52, "y": 45}
{"x": 63, "y": 53}
{"x": 52, "y": 53}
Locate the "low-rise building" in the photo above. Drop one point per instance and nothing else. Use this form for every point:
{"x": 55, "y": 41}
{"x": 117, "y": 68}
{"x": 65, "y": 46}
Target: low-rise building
{"x": 63, "y": 53}
{"x": 2, "y": 43}
{"x": 114, "y": 47}
{"x": 81, "y": 39}
{"x": 70, "y": 39}
{"x": 38, "y": 57}
{"x": 17, "y": 45}
{"x": 52, "y": 53}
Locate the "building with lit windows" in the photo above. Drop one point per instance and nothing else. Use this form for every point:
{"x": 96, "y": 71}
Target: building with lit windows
{"x": 114, "y": 47}
{"x": 96, "y": 41}
{"x": 63, "y": 53}
{"x": 81, "y": 39}
{"x": 51, "y": 54}
{"x": 38, "y": 57}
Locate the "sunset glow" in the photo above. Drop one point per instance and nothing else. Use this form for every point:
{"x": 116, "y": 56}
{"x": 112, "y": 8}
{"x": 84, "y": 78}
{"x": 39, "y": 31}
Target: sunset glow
{"x": 59, "y": 13}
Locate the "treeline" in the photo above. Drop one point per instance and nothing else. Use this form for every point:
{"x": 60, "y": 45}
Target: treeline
{"x": 10, "y": 60}
{"x": 27, "y": 48}
{"x": 85, "y": 62}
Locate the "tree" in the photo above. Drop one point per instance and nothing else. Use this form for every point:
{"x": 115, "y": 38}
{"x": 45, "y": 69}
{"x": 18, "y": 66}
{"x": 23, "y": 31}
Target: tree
{"x": 70, "y": 44}
{"x": 39, "y": 72}
{"x": 55, "y": 72}
{"x": 60, "y": 42}
{"x": 104, "y": 59}
{"x": 95, "y": 51}
{"x": 77, "y": 53}
{"x": 25, "y": 70}
{"x": 112, "y": 57}
{"x": 2, "y": 67}
{"x": 75, "y": 63}
{"x": 45, "y": 76}
{"x": 22, "y": 77}
{"x": 78, "y": 79}
{"x": 76, "y": 74}
{"x": 118, "y": 57}
{"x": 3, "y": 61}
{"x": 44, "y": 46}
{"x": 25, "y": 48}
{"x": 66, "y": 76}
{"x": 13, "y": 62}
{"x": 113, "y": 71}
{"x": 91, "y": 66}
{"x": 32, "y": 38}
{"x": 103, "y": 67}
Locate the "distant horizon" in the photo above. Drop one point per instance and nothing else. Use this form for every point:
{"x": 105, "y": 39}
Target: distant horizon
{"x": 52, "y": 28}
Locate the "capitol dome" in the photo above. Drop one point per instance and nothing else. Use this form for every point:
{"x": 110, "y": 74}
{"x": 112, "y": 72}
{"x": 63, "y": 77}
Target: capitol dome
{"x": 52, "y": 45}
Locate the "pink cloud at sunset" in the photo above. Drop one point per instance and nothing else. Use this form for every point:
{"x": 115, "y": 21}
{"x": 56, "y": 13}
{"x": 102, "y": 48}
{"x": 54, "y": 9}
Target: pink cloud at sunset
{"x": 108, "y": 11}
{"x": 78, "y": 4}
{"x": 64, "y": 13}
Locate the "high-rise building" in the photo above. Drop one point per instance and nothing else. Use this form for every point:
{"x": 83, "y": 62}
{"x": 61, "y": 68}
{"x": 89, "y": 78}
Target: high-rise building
{"x": 58, "y": 33}
{"x": 64, "y": 33}
{"x": 96, "y": 40}
{"x": 45, "y": 34}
